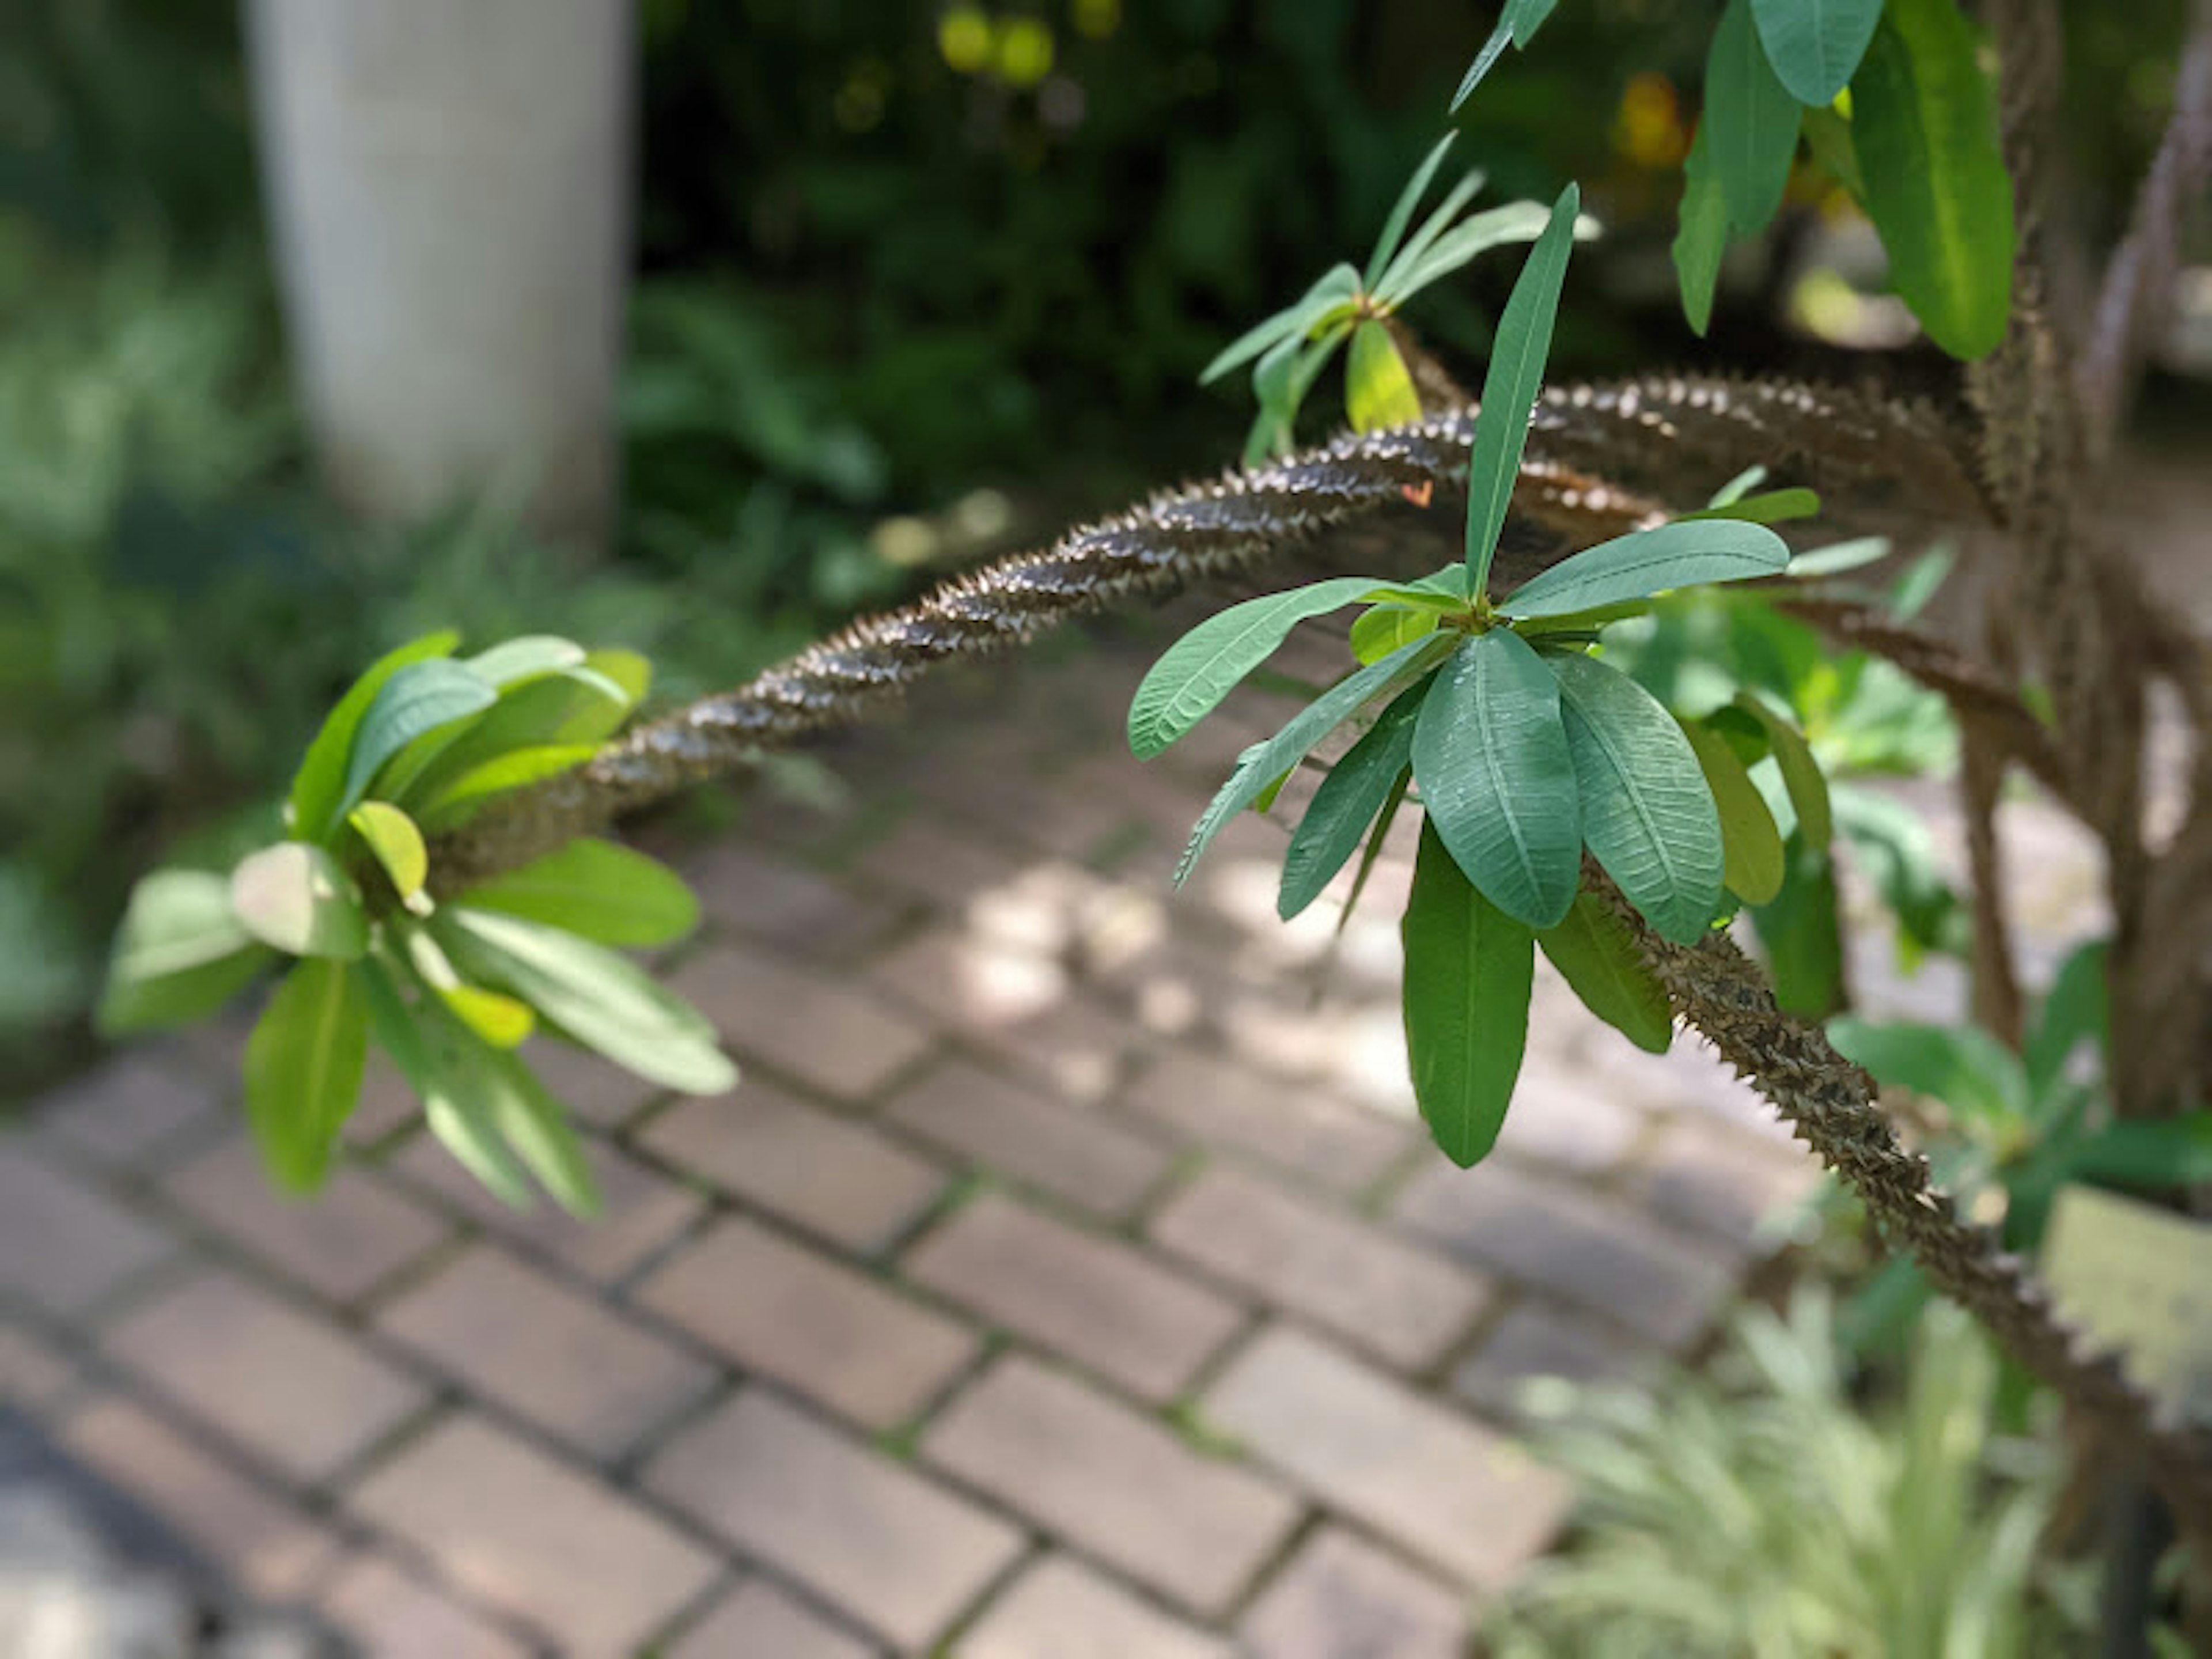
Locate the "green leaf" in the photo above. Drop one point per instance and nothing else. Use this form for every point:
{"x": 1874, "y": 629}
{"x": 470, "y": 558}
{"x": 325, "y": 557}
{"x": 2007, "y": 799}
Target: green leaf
{"x": 1387, "y": 628}
{"x": 304, "y": 1065}
{"x": 532, "y": 1123}
{"x": 459, "y": 799}
{"x": 1815, "y": 46}
{"x": 1775, "y": 507}
{"x": 1834, "y": 560}
{"x": 1925, "y": 120}
{"x": 565, "y": 709}
{"x": 1518, "y": 24}
{"x": 1516, "y": 222}
{"x": 1263, "y": 763}
{"x": 627, "y": 669}
{"x": 595, "y": 996}
{"x": 500, "y": 1020}
{"x": 1751, "y": 845}
{"x": 2075, "y": 1011}
{"x": 1828, "y": 136}
{"x": 319, "y": 785}
{"x": 1599, "y": 960}
{"x": 1701, "y": 242}
{"x": 1646, "y": 812}
{"x": 1752, "y": 118}
{"x": 1199, "y": 670}
{"x": 1963, "y": 1067}
{"x": 435, "y": 1053}
{"x": 1378, "y": 391}
{"x": 1801, "y": 772}
{"x": 1345, "y": 805}
{"x": 1280, "y": 383}
{"x": 298, "y": 898}
{"x": 1469, "y": 970}
{"x": 1894, "y": 848}
{"x": 1738, "y": 486}
{"x": 2152, "y": 1152}
{"x": 422, "y": 698}
{"x": 1402, "y": 211}
{"x": 523, "y": 657}
{"x": 1533, "y": 629}
{"x": 180, "y": 954}
{"x": 1512, "y": 383}
{"x": 1800, "y": 930}
{"x": 1647, "y": 561}
{"x": 1338, "y": 285}
{"x": 1390, "y": 287}
{"x": 597, "y": 888}
{"x": 392, "y": 837}
{"x": 1490, "y": 754}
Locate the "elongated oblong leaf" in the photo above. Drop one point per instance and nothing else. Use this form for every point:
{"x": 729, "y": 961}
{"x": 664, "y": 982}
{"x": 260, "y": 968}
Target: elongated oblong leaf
{"x": 524, "y": 657}
{"x": 1648, "y": 561}
{"x": 304, "y": 1065}
{"x": 1925, "y": 119}
{"x": 180, "y": 954}
{"x": 1511, "y": 383}
{"x": 1517, "y": 24}
{"x": 434, "y": 1052}
{"x": 1751, "y": 844}
{"x": 1752, "y": 119}
{"x": 532, "y": 1123}
{"x": 2076, "y": 1011}
{"x": 1346, "y": 803}
{"x": 424, "y": 697}
{"x": 1647, "y": 813}
{"x": 1815, "y": 46}
{"x": 1701, "y": 241}
{"x": 1602, "y": 965}
{"x": 1514, "y": 222}
{"x": 1490, "y": 754}
{"x": 1469, "y": 971}
{"x": 1801, "y": 933}
{"x": 1376, "y": 633}
{"x": 397, "y": 843}
{"x": 454, "y": 802}
{"x": 1338, "y": 284}
{"x": 320, "y": 783}
{"x": 1199, "y": 670}
{"x": 296, "y": 897}
{"x": 1774, "y": 507}
{"x": 1801, "y": 772}
{"x": 1378, "y": 391}
{"x": 1402, "y": 211}
{"x": 598, "y": 889}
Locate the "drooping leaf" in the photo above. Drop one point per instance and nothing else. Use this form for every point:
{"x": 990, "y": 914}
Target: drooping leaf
{"x": 1701, "y": 241}
{"x": 2077, "y": 1011}
{"x": 1378, "y": 632}
{"x": 523, "y": 657}
{"x": 1377, "y": 838}
{"x": 304, "y": 1065}
{"x": 1962, "y": 1066}
{"x": 1925, "y": 122}
{"x": 1751, "y": 122}
{"x": 1338, "y": 285}
{"x": 1648, "y": 561}
{"x": 1402, "y": 211}
{"x": 1601, "y": 963}
{"x": 1490, "y": 754}
{"x": 180, "y": 954}
{"x": 598, "y": 889}
{"x": 1378, "y": 390}
{"x": 434, "y": 1052}
{"x": 1262, "y": 764}
{"x": 296, "y": 897}
{"x": 1800, "y": 934}
{"x": 432, "y": 696}
{"x": 1751, "y": 844}
{"x": 1346, "y": 803}
{"x": 319, "y": 785}
{"x": 1816, "y": 44}
{"x": 1512, "y": 383}
{"x": 455, "y": 802}
{"x": 533, "y": 1124}
{"x": 1199, "y": 670}
{"x": 1801, "y": 772}
{"x": 392, "y": 837}
{"x": 1774, "y": 507}
{"x": 593, "y": 994}
{"x": 1647, "y": 814}
{"x": 1469, "y": 970}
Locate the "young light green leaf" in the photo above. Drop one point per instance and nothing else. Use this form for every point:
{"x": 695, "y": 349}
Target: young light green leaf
{"x": 1739, "y": 487}
{"x": 304, "y": 1065}
{"x": 1379, "y": 631}
{"x": 1338, "y": 284}
{"x": 432, "y": 696}
{"x": 1752, "y": 120}
{"x": 1838, "y": 557}
{"x": 1346, "y": 803}
{"x": 1816, "y": 44}
{"x": 500, "y": 1020}
{"x": 1378, "y": 391}
{"x": 392, "y": 837}
{"x": 597, "y": 888}
{"x": 1490, "y": 754}
{"x": 1801, "y": 772}
{"x": 1751, "y": 845}
{"x": 1648, "y": 561}
{"x": 595, "y": 996}
{"x": 1602, "y": 965}
{"x": 627, "y": 669}
{"x": 1402, "y": 211}
{"x": 1775, "y": 507}
{"x": 1263, "y": 763}
{"x": 1701, "y": 241}
{"x": 458, "y": 800}
{"x": 1469, "y": 970}
{"x": 1199, "y": 670}
{"x": 533, "y": 1124}
{"x": 564, "y": 709}
{"x": 1963, "y": 1066}
{"x": 1280, "y": 383}
{"x": 296, "y": 897}
{"x": 435, "y": 1053}
{"x": 1512, "y": 383}
{"x": 1925, "y": 121}
{"x": 2075, "y": 1011}
{"x": 180, "y": 954}
{"x": 1647, "y": 813}
{"x": 319, "y": 785}
{"x": 523, "y": 657}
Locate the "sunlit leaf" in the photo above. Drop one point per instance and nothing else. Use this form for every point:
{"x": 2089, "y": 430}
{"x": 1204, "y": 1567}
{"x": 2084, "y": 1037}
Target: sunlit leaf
{"x": 524, "y": 658}
{"x": 392, "y": 837}
{"x": 1465, "y": 243}
{"x": 602, "y": 890}
{"x": 457, "y": 800}
{"x": 320, "y": 784}
{"x": 1338, "y": 284}
{"x": 304, "y": 1065}
{"x": 1751, "y": 844}
{"x": 1376, "y": 633}
{"x": 180, "y": 954}
{"x": 1840, "y": 556}
{"x": 1801, "y": 772}
{"x": 435, "y": 1054}
{"x": 1597, "y": 957}
{"x": 297, "y": 897}
{"x": 434, "y": 697}
{"x": 1648, "y": 561}
{"x": 1346, "y": 803}
{"x": 1378, "y": 390}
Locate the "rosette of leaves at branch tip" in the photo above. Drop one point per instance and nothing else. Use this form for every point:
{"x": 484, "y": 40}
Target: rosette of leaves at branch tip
{"x": 450, "y": 989}
{"x": 1527, "y": 754}
{"x": 1349, "y": 306}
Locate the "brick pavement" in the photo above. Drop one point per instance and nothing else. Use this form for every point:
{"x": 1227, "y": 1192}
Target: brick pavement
{"x": 1068, "y": 1277}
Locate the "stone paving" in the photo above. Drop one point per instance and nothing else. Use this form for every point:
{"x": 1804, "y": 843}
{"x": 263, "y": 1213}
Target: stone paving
{"x": 1067, "y": 1280}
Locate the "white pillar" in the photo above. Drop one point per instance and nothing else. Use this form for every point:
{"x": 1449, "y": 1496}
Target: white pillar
{"x": 449, "y": 186}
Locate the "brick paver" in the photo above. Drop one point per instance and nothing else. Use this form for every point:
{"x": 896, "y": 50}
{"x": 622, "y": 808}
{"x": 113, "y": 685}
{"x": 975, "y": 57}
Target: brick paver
{"x": 1113, "y": 1484}
{"x": 516, "y": 1335}
{"x": 1094, "y": 1300}
{"x": 535, "y": 1538}
{"x": 34, "y": 1376}
{"x": 787, "y": 1312}
{"x": 1294, "y": 1125}
{"x": 1537, "y": 1338}
{"x": 1340, "y": 1597}
{"x": 1715, "y": 1181}
{"x": 845, "y": 1042}
{"x": 901, "y": 1554}
{"x": 1061, "y": 1609}
{"x": 125, "y": 1112}
{"x": 761, "y": 1618}
{"x": 390, "y": 1613}
{"x": 780, "y": 902}
{"x": 64, "y": 1247}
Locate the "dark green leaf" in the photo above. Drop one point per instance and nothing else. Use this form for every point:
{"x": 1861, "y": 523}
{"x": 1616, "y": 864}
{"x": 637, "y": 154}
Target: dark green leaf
{"x": 1800, "y": 931}
{"x": 1581, "y": 622}
{"x": 600, "y": 889}
{"x": 1402, "y": 212}
{"x": 1469, "y": 969}
{"x": 1378, "y": 391}
{"x": 1751, "y": 845}
{"x": 1801, "y": 772}
{"x": 320, "y": 786}
{"x": 422, "y": 698}
{"x": 1377, "y": 838}
{"x": 1394, "y": 286}
{"x": 180, "y": 954}
{"x": 2075, "y": 1011}
{"x": 1646, "y": 812}
{"x": 1346, "y": 803}
{"x": 1338, "y": 284}
{"x": 1775, "y": 507}
{"x": 1199, "y": 670}
{"x": 1648, "y": 561}
{"x": 1963, "y": 1066}
{"x": 1512, "y": 384}
{"x": 1816, "y": 44}
{"x": 1701, "y": 241}
{"x": 1490, "y": 755}
{"x": 2152, "y": 1152}
{"x": 1925, "y": 120}
{"x": 296, "y": 897}
{"x": 1601, "y": 963}
{"x": 1516, "y": 222}
{"x": 304, "y": 1065}
{"x": 1751, "y": 122}
{"x": 1518, "y": 23}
